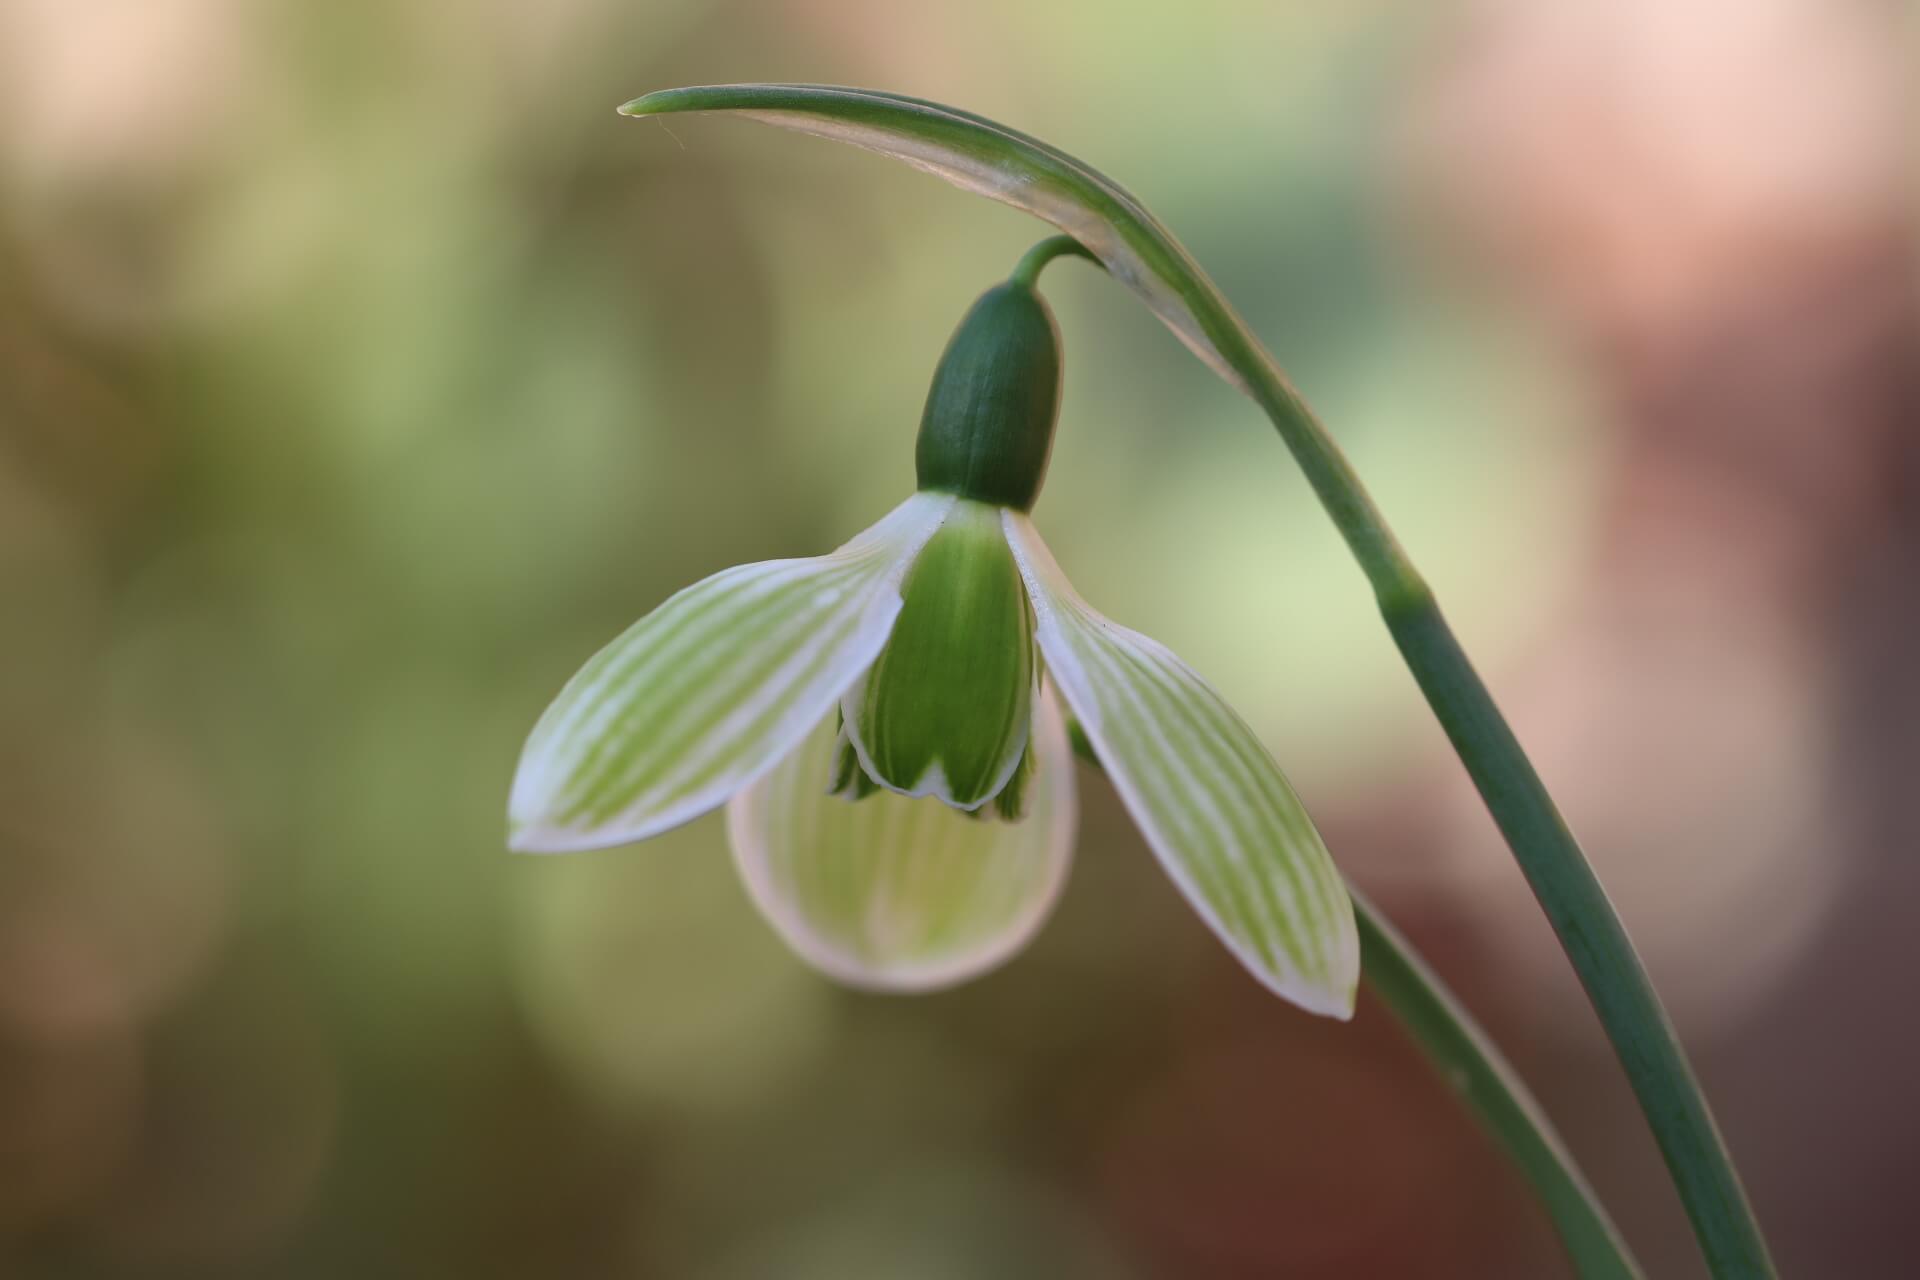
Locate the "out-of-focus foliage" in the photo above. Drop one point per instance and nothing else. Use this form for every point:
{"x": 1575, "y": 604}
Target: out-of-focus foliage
{"x": 361, "y": 373}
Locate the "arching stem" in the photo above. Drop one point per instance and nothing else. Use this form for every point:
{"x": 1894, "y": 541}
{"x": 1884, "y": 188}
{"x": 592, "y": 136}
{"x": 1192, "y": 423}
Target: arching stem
{"x": 1028, "y": 271}
{"x": 1571, "y": 896}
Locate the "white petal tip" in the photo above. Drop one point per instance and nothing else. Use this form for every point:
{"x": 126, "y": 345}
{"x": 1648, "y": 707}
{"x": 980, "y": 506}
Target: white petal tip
{"x": 533, "y": 823}
{"x": 534, "y": 831}
{"x": 540, "y": 837}
{"x": 538, "y": 840}
{"x": 1337, "y": 1007}
{"x": 1336, "y": 1002}
{"x": 917, "y": 981}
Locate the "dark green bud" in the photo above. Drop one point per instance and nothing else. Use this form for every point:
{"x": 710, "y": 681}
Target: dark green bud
{"x": 988, "y": 426}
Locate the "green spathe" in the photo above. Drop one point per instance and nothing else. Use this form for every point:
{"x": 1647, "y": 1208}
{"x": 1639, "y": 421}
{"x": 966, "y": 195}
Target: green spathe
{"x": 987, "y": 429}
{"x": 945, "y": 709}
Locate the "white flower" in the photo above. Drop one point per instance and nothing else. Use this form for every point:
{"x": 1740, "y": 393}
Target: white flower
{"x": 883, "y": 726}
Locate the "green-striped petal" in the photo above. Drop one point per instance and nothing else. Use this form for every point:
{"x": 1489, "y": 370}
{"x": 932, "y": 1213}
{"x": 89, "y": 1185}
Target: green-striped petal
{"x": 899, "y": 894}
{"x": 990, "y": 159}
{"x": 1204, "y": 791}
{"x": 708, "y": 691}
{"x": 944, "y": 710}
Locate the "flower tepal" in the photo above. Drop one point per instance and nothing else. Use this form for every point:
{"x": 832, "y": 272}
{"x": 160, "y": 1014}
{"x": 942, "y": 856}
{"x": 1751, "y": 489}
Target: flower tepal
{"x": 885, "y": 729}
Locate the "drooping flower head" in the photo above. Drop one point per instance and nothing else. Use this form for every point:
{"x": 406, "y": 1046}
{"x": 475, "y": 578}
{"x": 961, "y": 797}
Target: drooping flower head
{"x": 885, "y": 729}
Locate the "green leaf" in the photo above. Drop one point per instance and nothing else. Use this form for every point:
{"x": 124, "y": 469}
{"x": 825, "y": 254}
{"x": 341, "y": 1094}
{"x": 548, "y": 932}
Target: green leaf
{"x": 708, "y": 691}
{"x": 1204, "y": 791}
{"x": 1474, "y": 1068}
{"x": 979, "y": 155}
{"x": 944, "y": 710}
{"x": 898, "y": 894}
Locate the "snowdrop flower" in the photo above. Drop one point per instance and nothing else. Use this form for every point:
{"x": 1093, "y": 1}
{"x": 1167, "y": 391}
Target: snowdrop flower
{"x": 883, "y": 725}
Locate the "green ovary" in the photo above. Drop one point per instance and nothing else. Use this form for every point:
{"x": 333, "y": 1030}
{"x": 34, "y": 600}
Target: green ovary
{"x": 946, "y": 708}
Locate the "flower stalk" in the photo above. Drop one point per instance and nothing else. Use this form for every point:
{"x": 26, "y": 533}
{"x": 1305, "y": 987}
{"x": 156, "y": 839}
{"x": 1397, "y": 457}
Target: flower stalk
{"x": 1034, "y": 261}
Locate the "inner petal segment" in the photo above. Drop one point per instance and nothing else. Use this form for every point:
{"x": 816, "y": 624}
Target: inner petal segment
{"x": 946, "y": 709}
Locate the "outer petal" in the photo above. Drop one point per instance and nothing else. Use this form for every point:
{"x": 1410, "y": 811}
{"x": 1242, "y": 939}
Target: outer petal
{"x": 899, "y": 894}
{"x": 710, "y": 690}
{"x": 1205, "y": 792}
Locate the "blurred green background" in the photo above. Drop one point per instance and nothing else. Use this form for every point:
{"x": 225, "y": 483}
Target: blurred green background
{"x": 361, "y": 373}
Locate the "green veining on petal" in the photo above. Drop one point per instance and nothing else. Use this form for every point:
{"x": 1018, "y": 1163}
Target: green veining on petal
{"x": 710, "y": 689}
{"x": 1209, "y": 798}
{"x": 897, "y": 893}
{"x": 1012, "y": 803}
{"x": 849, "y": 781}
{"x": 946, "y": 708}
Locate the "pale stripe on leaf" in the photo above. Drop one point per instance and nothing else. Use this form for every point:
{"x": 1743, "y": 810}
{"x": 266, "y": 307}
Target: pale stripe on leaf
{"x": 990, "y": 159}
{"x": 897, "y": 894}
{"x": 708, "y": 691}
{"x": 1204, "y": 791}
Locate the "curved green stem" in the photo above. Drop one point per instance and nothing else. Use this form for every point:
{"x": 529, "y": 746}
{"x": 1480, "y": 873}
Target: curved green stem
{"x": 1027, "y": 272}
{"x": 1004, "y": 164}
{"x": 1472, "y": 1066}
{"x": 1569, "y": 893}
{"x": 1563, "y": 881}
